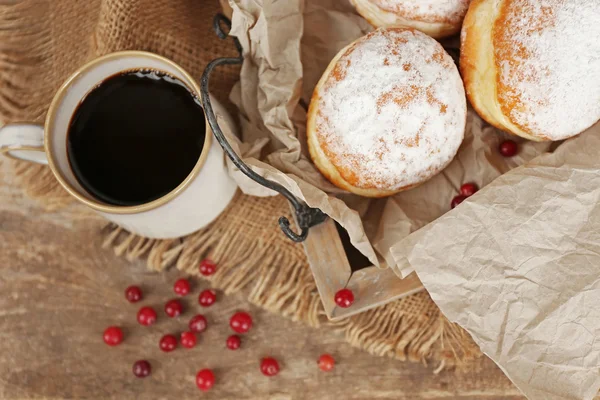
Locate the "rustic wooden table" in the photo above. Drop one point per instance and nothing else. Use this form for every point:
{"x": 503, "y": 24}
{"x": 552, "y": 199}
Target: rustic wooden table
{"x": 59, "y": 290}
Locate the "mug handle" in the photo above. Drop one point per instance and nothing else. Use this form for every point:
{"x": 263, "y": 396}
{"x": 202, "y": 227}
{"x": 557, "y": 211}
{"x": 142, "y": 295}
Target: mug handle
{"x": 306, "y": 216}
{"x": 23, "y": 142}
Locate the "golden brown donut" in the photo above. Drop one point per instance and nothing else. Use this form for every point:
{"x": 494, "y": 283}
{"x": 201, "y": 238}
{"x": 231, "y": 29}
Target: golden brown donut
{"x": 532, "y": 67}
{"x": 437, "y": 18}
{"x": 388, "y": 114}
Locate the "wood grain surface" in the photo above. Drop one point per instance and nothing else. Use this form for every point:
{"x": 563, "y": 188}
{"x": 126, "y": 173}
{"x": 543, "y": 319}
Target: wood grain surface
{"x": 332, "y": 269}
{"x": 59, "y": 290}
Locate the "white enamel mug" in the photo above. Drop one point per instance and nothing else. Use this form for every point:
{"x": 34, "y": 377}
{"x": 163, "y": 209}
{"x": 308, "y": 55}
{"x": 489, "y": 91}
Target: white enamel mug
{"x": 192, "y": 205}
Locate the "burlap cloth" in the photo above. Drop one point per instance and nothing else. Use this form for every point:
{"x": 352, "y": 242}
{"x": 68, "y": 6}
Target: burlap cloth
{"x": 43, "y": 41}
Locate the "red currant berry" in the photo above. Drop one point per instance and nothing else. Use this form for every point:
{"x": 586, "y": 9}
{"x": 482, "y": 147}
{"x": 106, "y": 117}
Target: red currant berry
{"x": 133, "y": 294}
{"x": 344, "y": 298}
{"x": 207, "y": 298}
{"x": 198, "y": 323}
{"x": 457, "y": 200}
{"x": 168, "y": 343}
{"x": 508, "y": 148}
{"x": 207, "y": 267}
{"x": 146, "y": 316}
{"x": 468, "y": 189}
{"x": 142, "y": 368}
{"x": 205, "y": 379}
{"x": 173, "y": 308}
{"x": 188, "y": 339}
{"x": 113, "y": 335}
{"x": 269, "y": 366}
{"x": 240, "y": 322}
{"x": 182, "y": 287}
{"x": 326, "y": 362}
{"x": 234, "y": 342}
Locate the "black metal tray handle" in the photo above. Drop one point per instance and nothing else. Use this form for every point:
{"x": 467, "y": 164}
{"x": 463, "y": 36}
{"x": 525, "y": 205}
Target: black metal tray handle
{"x": 306, "y": 216}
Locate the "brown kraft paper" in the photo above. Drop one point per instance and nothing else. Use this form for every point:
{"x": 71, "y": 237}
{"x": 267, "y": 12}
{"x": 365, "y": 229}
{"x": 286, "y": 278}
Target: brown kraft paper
{"x": 516, "y": 264}
{"x": 287, "y": 46}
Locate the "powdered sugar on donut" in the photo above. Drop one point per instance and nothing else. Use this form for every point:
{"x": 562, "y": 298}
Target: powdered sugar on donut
{"x": 548, "y": 53}
{"x": 392, "y": 112}
{"x": 452, "y": 11}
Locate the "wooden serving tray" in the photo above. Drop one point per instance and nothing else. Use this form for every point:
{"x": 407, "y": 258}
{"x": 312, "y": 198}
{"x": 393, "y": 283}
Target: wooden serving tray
{"x": 336, "y": 264}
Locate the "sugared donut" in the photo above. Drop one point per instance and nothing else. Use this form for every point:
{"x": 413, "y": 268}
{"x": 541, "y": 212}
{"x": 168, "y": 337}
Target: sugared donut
{"x": 532, "y": 67}
{"x": 388, "y": 113}
{"x": 437, "y": 18}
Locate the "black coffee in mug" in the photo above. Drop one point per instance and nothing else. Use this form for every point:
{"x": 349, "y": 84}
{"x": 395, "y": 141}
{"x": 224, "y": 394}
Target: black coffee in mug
{"x": 135, "y": 137}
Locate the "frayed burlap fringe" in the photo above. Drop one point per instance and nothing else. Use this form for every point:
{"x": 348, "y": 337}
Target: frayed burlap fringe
{"x": 411, "y": 329}
{"x": 39, "y": 183}
{"x": 250, "y": 253}
{"x": 257, "y": 258}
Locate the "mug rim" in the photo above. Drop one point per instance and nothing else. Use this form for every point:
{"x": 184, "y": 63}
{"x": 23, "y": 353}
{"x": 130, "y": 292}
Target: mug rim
{"x": 108, "y": 208}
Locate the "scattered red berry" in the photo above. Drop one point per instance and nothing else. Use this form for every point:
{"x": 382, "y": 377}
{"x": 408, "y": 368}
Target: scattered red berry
{"x": 205, "y": 379}
{"x": 207, "y": 298}
{"x": 207, "y": 267}
{"x": 457, "y": 200}
{"x": 113, "y": 335}
{"x": 508, "y": 148}
{"x": 344, "y": 298}
{"x": 182, "y": 287}
{"x": 198, "y": 323}
{"x": 188, "y": 339}
{"x": 468, "y": 189}
{"x": 326, "y": 362}
{"x": 142, "y": 368}
{"x": 234, "y": 342}
{"x": 269, "y": 366}
{"x": 168, "y": 343}
{"x": 133, "y": 294}
{"x": 146, "y": 316}
{"x": 173, "y": 308}
{"x": 240, "y": 322}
